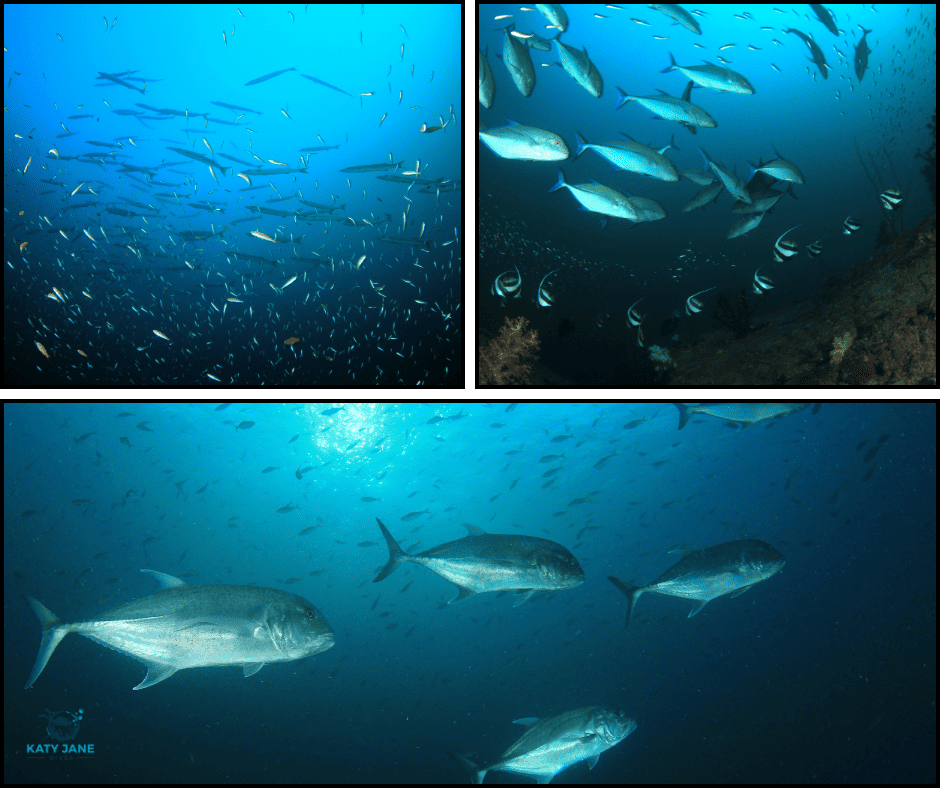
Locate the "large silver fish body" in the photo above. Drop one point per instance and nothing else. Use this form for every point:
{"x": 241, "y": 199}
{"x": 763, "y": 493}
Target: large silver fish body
{"x": 553, "y": 744}
{"x": 743, "y": 413}
{"x": 483, "y": 562}
{"x": 728, "y": 568}
{"x": 185, "y": 626}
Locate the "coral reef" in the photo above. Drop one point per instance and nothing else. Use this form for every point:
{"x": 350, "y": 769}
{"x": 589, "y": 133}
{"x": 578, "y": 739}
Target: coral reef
{"x": 660, "y": 357}
{"x": 839, "y": 345}
{"x": 877, "y": 326}
{"x": 508, "y": 359}
{"x": 735, "y": 311}
{"x": 929, "y": 170}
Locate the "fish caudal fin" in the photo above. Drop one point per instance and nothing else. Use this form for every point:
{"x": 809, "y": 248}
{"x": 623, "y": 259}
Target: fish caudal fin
{"x": 632, "y": 593}
{"x": 396, "y": 556}
{"x": 476, "y": 773}
{"x": 53, "y": 631}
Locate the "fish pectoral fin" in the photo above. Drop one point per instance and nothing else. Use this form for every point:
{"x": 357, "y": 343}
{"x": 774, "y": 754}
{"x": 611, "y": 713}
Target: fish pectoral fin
{"x": 740, "y": 591}
{"x": 698, "y": 606}
{"x": 525, "y": 596}
{"x": 156, "y": 672}
{"x": 592, "y": 762}
{"x": 464, "y": 593}
{"x": 251, "y": 668}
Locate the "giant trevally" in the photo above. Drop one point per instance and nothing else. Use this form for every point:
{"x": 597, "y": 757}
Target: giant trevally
{"x": 825, "y": 16}
{"x": 487, "y": 86}
{"x": 483, "y": 562}
{"x": 743, "y": 413}
{"x": 645, "y": 209}
{"x": 678, "y": 14}
{"x": 782, "y": 170}
{"x": 731, "y": 182}
{"x": 599, "y": 198}
{"x": 671, "y": 108}
{"x": 555, "y": 14}
{"x": 818, "y": 57}
{"x": 185, "y": 626}
{"x": 729, "y": 568}
{"x": 704, "y": 195}
{"x": 553, "y": 744}
{"x": 633, "y": 156}
{"x": 524, "y": 142}
{"x": 712, "y": 76}
{"x": 861, "y": 55}
{"x": 745, "y": 225}
{"x": 579, "y": 67}
{"x": 518, "y": 62}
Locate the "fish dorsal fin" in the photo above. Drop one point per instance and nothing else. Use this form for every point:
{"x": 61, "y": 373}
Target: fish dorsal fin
{"x": 473, "y": 530}
{"x": 527, "y": 721}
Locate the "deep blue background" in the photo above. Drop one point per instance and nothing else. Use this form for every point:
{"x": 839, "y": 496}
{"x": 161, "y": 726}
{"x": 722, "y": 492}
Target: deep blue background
{"x": 825, "y": 672}
{"x": 138, "y": 276}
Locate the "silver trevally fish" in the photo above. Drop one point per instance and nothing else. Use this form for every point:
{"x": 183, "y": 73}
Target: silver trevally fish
{"x": 712, "y": 76}
{"x": 826, "y": 17}
{"x": 599, "y": 198}
{"x": 782, "y": 170}
{"x": 518, "y": 62}
{"x": 704, "y": 195}
{"x": 671, "y": 108}
{"x": 861, "y": 54}
{"x": 483, "y": 562}
{"x": 555, "y": 14}
{"x": 579, "y": 67}
{"x": 645, "y": 209}
{"x": 729, "y": 568}
{"x": 744, "y": 413}
{"x": 553, "y": 744}
{"x": 632, "y": 156}
{"x": 185, "y": 626}
{"x": 732, "y": 182}
{"x": 487, "y": 86}
{"x": 678, "y": 14}
{"x": 744, "y": 225}
{"x": 524, "y": 142}
{"x": 818, "y": 57}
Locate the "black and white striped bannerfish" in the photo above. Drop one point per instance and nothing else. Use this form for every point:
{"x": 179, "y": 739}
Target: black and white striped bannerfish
{"x": 891, "y": 199}
{"x": 694, "y": 305}
{"x": 633, "y": 317}
{"x": 545, "y": 298}
{"x": 784, "y": 250}
{"x": 814, "y": 249}
{"x": 762, "y": 283}
{"x": 507, "y": 286}
{"x": 849, "y": 226}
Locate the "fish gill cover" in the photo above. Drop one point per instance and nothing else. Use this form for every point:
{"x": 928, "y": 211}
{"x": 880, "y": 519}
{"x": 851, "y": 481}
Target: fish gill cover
{"x": 797, "y": 134}
{"x": 233, "y": 196}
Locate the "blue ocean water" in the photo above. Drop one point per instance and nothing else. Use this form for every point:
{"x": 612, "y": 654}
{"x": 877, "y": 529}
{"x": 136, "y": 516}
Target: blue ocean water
{"x": 825, "y": 672}
{"x": 851, "y": 140}
{"x": 111, "y": 235}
